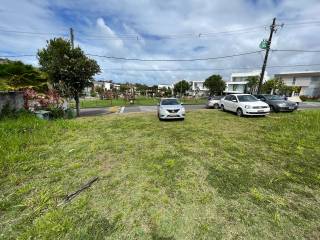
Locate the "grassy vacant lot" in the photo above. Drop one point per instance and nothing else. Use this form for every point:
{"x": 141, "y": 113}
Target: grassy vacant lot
{"x": 93, "y": 103}
{"x": 213, "y": 176}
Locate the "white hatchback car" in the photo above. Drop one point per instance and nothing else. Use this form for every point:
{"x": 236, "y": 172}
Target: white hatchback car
{"x": 244, "y": 104}
{"x": 170, "y": 108}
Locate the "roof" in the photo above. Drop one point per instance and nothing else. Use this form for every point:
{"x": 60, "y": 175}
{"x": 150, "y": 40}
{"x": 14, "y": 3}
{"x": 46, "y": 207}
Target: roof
{"x": 301, "y": 73}
{"x": 247, "y": 74}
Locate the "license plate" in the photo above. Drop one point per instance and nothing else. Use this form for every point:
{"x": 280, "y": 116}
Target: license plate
{"x": 173, "y": 115}
{"x": 260, "y": 111}
{"x": 291, "y": 107}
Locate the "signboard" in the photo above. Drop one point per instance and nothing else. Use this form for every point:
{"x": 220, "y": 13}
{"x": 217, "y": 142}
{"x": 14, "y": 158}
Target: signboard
{"x": 264, "y": 44}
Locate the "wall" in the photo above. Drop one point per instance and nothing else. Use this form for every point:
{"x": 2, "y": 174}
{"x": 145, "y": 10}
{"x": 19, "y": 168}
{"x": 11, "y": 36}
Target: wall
{"x": 14, "y": 99}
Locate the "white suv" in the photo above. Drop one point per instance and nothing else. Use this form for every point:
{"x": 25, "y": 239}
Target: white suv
{"x": 244, "y": 104}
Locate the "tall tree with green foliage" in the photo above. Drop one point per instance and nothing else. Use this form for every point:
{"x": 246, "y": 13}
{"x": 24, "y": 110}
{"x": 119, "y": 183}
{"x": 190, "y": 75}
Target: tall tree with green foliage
{"x": 68, "y": 69}
{"x": 215, "y": 84}
{"x": 253, "y": 83}
{"x": 181, "y": 87}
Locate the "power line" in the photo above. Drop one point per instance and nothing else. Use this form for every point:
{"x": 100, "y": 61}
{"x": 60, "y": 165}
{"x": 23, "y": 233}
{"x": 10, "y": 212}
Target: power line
{"x": 32, "y": 33}
{"x": 209, "y": 69}
{"x": 17, "y": 56}
{"x": 295, "y": 50}
{"x": 174, "y": 60}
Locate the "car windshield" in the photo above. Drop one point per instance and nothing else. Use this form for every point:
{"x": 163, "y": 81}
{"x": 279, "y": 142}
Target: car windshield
{"x": 216, "y": 97}
{"x": 169, "y": 102}
{"x": 247, "y": 98}
{"x": 273, "y": 97}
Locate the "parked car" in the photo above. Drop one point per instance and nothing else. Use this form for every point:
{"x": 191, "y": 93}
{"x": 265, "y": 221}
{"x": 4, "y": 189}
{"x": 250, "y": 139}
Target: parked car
{"x": 170, "y": 108}
{"x": 244, "y": 104}
{"x": 278, "y": 103}
{"x": 214, "y": 102}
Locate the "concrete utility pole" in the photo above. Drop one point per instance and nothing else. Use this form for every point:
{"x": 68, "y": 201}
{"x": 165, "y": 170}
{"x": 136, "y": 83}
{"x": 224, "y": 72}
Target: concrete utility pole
{"x": 272, "y": 30}
{"x": 71, "y": 37}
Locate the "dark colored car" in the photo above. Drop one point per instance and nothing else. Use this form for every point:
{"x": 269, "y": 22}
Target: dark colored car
{"x": 277, "y": 103}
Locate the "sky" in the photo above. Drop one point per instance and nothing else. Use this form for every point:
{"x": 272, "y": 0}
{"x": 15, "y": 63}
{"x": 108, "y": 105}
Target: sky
{"x": 168, "y": 30}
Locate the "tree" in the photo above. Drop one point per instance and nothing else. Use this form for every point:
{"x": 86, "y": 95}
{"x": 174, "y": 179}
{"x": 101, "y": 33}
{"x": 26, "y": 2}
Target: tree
{"x": 100, "y": 91}
{"x": 253, "y": 83}
{"x": 181, "y": 87}
{"x": 272, "y": 85}
{"x": 215, "y": 84}
{"x": 68, "y": 69}
{"x": 16, "y": 75}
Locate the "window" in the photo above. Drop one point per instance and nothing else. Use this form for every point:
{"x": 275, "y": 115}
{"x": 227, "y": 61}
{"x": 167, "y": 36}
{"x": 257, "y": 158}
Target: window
{"x": 169, "y": 102}
{"x": 247, "y": 98}
{"x": 228, "y": 98}
{"x": 233, "y": 98}
{"x": 294, "y": 81}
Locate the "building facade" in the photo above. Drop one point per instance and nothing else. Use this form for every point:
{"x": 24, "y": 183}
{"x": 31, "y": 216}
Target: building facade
{"x": 198, "y": 89}
{"x": 238, "y": 81}
{"x": 308, "y": 81}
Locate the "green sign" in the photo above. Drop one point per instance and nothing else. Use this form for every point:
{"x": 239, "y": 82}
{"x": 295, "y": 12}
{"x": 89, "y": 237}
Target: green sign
{"x": 264, "y": 44}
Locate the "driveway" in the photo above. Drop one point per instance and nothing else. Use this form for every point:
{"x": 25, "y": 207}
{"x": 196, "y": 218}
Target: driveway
{"x": 136, "y": 109}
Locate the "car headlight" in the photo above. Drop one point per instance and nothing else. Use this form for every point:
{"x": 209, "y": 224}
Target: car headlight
{"x": 247, "y": 106}
{"x": 182, "y": 109}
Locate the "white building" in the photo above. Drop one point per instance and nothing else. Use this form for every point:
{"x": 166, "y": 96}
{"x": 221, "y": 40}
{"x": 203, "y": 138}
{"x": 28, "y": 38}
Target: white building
{"x": 106, "y": 85}
{"x": 198, "y": 88}
{"x": 238, "y": 81}
{"x": 309, "y": 81}
{"x": 167, "y": 86}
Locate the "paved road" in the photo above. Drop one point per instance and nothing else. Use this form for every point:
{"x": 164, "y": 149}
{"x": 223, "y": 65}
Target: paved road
{"x": 134, "y": 109}
{"x": 304, "y": 105}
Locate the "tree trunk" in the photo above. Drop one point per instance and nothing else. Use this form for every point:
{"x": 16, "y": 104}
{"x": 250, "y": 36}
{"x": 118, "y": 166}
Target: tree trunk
{"x": 76, "y": 98}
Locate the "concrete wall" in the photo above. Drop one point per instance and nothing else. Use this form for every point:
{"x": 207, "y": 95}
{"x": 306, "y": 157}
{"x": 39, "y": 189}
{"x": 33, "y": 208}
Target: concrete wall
{"x": 14, "y": 99}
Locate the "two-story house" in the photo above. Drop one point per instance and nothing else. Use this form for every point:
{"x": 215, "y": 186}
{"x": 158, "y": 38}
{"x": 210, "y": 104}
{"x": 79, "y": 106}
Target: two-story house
{"x": 308, "y": 81}
{"x": 238, "y": 81}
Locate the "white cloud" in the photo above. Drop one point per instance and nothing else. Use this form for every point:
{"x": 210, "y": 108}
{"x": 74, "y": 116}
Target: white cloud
{"x": 111, "y": 27}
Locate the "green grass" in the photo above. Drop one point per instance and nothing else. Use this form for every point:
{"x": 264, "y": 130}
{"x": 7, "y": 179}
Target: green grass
{"x": 143, "y": 101}
{"x": 213, "y": 176}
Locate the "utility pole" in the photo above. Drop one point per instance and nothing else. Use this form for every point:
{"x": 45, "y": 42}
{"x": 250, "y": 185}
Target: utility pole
{"x": 272, "y": 30}
{"x": 71, "y": 37}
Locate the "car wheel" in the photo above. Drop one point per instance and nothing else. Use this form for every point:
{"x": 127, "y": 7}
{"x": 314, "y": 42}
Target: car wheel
{"x": 222, "y": 108}
{"x": 273, "y": 109}
{"x": 216, "y": 106}
{"x": 239, "y": 112}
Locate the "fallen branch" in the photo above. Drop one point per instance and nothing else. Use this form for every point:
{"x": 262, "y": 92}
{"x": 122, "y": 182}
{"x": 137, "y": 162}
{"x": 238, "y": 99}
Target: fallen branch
{"x": 70, "y": 196}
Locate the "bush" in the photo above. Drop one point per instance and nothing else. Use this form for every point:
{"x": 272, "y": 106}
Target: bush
{"x": 306, "y": 98}
{"x": 56, "y": 113}
{"x": 6, "y": 111}
{"x": 70, "y": 113}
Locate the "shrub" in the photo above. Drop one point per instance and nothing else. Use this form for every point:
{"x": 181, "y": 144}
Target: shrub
{"x": 70, "y": 113}
{"x": 306, "y": 98}
{"x": 56, "y": 113}
{"x": 7, "y": 111}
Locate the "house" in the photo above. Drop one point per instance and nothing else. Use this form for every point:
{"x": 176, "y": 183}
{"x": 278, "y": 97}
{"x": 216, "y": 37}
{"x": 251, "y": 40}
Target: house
{"x": 105, "y": 84}
{"x": 197, "y": 88}
{"x": 238, "y": 81}
{"x": 308, "y": 81}
{"x": 167, "y": 86}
